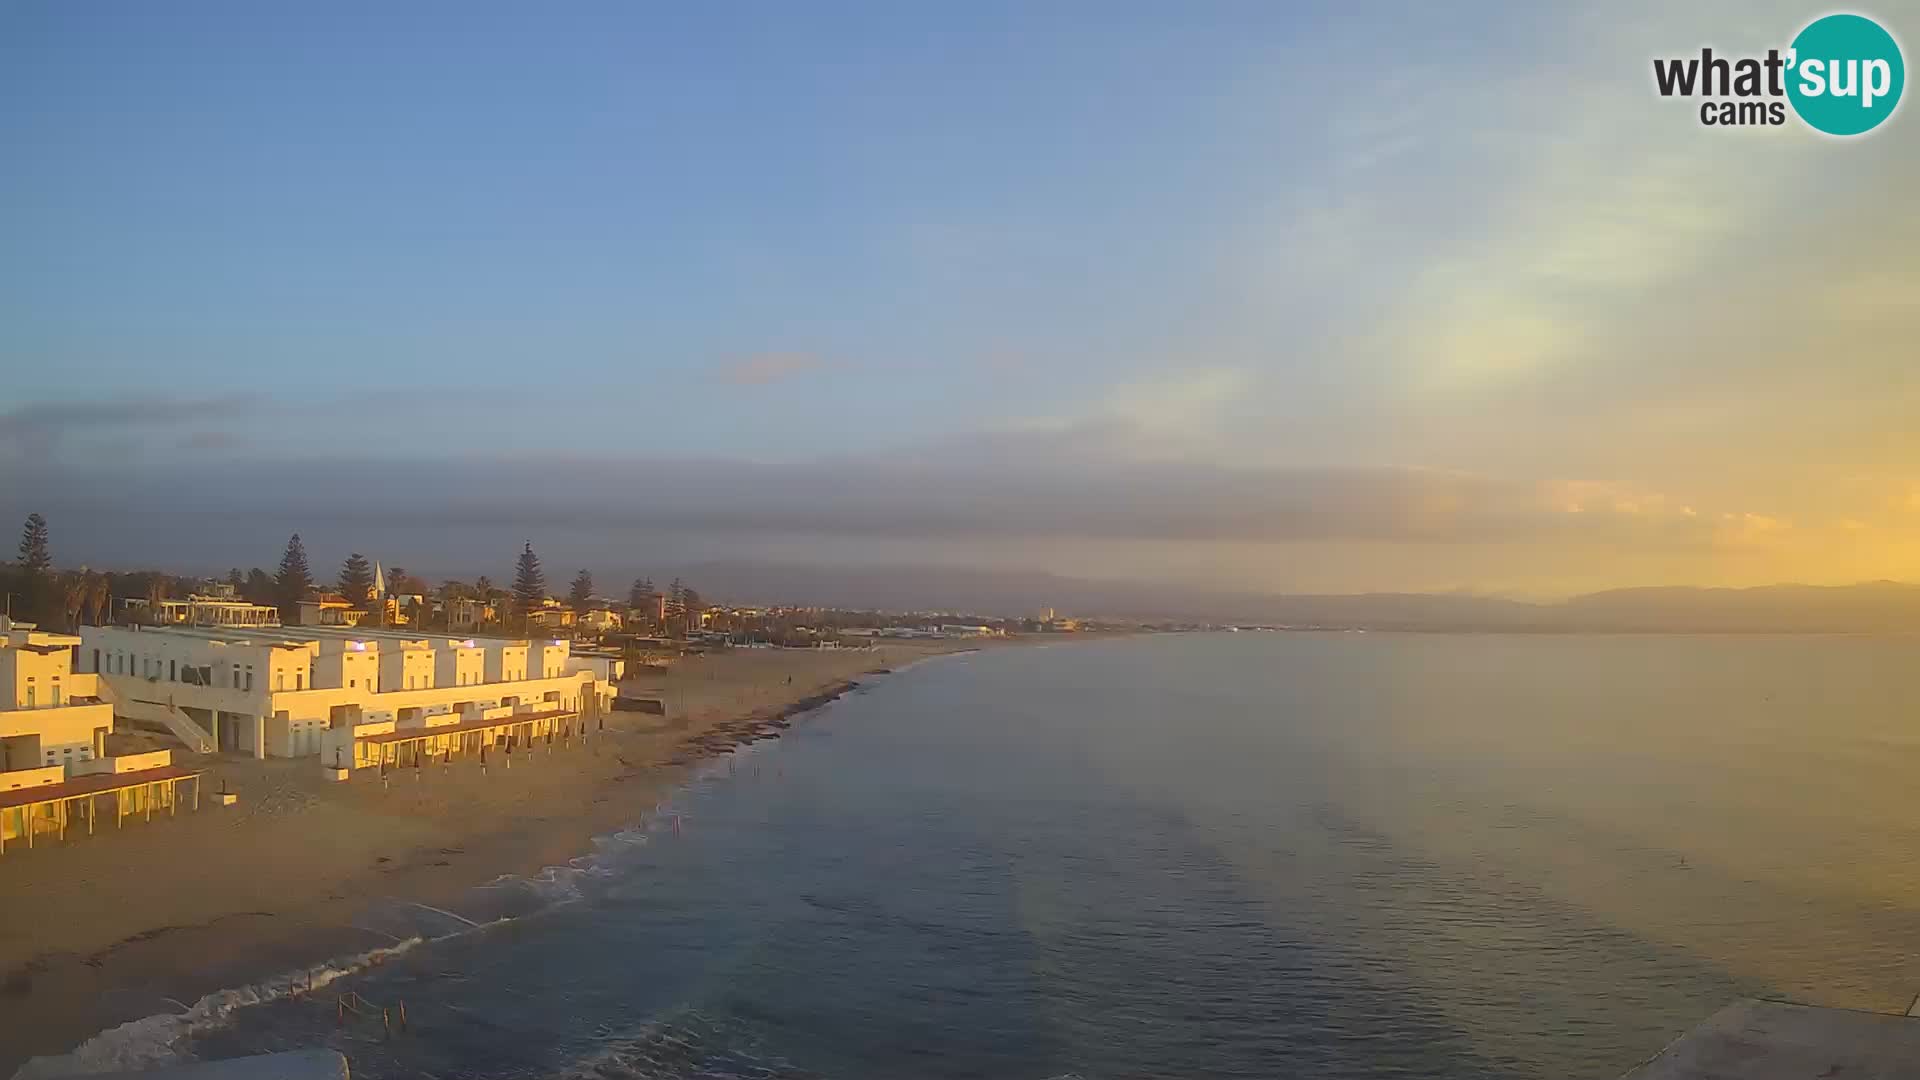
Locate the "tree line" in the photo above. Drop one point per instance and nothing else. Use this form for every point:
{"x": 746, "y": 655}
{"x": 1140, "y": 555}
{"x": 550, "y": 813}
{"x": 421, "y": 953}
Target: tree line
{"x": 35, "y": 591}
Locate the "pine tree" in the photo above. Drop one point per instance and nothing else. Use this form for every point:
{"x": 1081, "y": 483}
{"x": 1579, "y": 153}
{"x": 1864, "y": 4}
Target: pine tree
{"x": 294, "y": 582}
{"x": 257, "y": 587}
{"x": 529, "y": 584}
{"x": 356, "y": 579}
{"x": 580, "y": 593}
{"x": 483, "y": 587}
{"x": 35, "y": 558}
{"x": 642, "y": 594}
{"x": 691, "y": 606}
{"x": 676, "y": 598}
{"x": 236, "y": 579}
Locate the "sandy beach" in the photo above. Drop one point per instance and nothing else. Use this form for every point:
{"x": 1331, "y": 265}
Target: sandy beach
{"x": 152, "y": 917}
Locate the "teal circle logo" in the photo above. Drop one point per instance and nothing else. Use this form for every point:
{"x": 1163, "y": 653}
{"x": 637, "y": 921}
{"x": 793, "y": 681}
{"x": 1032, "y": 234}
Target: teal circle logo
{"x": 1845, "y": 74}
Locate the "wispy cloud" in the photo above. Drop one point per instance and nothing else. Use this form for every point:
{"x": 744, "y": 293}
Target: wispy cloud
{"x": 772, "y": 367}
{"x": 35, "y": 433}
{"x": 210, "y": 440}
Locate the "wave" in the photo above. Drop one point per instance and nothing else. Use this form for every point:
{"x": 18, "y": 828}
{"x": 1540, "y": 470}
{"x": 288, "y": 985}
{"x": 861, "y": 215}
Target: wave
{"x": 686, "y": 1046}
{"x": 161, "y": 1039}
{"x": 157, "y": 1040}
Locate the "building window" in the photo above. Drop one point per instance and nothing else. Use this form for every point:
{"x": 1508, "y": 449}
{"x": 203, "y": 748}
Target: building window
{"x": 173, "y": 671}
{"x": 279, "y": 680}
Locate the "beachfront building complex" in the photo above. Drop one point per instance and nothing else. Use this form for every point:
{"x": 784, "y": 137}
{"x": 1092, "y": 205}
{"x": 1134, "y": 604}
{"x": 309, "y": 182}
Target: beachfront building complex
{"x": 322, "y": 690}
{"x": 50, "y": 715}
{"x": 55, "y": 772}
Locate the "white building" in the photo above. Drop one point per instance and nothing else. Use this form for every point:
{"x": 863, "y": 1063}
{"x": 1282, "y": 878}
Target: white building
{"x": 327, "y": 610}
{"x": 218, "y": 608}
{"x": 50, "y": 716}
{"x": 304, "y": 691}
{"x": 56, "y": 777}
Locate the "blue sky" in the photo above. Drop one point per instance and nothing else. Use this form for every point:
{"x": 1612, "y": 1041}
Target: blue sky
{"x": 1444, "y": 275}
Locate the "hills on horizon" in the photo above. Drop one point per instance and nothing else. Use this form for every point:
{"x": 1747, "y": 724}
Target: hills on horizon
{"x": 1868, "y": 607}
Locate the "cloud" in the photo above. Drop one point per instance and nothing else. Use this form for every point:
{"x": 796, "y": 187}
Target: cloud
{"x": 34, "y": 433}
{"x": 1749, "y": 529}
{"x": 209, "y": 440}
{"x": 772, "y": 367}
{"x": 1014, "y": 489}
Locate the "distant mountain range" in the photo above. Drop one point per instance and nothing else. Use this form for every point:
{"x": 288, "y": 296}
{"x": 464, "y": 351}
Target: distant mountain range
{"x": 1872, "y": 607}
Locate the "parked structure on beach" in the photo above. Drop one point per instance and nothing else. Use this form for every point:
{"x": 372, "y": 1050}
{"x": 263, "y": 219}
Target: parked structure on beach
{"x": 303, "y": 692}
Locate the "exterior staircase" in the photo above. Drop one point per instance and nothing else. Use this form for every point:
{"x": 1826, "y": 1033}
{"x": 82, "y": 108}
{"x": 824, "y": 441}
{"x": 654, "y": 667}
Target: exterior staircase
{"x": 165, "y": 713}
{"x": 196, "y": 737}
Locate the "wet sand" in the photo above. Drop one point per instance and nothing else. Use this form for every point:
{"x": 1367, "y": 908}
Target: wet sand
{"x": 152, "y": 917}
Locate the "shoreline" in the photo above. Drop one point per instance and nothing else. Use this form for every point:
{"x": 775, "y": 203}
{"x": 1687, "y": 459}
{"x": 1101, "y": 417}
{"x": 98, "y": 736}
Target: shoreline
{"x": 161, "y": 917}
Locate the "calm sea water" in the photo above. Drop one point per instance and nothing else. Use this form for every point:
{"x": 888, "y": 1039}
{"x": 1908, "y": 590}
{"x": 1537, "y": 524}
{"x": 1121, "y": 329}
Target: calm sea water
{"x": 1248, "y": 855}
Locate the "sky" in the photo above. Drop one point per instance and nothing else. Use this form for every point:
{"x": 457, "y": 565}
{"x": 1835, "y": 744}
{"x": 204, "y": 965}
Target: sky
{"x": 1245, "y": 296}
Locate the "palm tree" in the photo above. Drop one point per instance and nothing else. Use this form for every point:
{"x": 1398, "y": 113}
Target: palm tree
{"x": 73, "y": 587}
{"x": 99, "y": 595}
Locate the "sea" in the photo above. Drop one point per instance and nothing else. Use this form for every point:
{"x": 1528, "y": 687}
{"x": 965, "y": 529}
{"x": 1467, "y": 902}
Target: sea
{"x": 1317, "y": 855}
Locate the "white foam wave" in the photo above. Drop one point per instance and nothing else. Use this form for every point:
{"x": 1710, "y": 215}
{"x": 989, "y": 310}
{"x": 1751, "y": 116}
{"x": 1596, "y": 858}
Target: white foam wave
{"x": 161, "y": 1039}
{"x": 153, "y": 1041}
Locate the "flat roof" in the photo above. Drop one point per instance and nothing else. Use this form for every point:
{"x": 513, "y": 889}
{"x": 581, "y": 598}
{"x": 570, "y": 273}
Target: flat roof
{"x": 230, "y": 635}
{"x": 301, "y": 636}
{"x": 412, "y": 734}
{"x": 397, "y": 633}
{"x": 91, "y": 785}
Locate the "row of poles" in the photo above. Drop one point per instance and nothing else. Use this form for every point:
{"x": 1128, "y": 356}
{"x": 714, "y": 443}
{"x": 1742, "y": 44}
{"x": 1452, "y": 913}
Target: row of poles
{"x": 351, "y": 1004}
{"x": 513, "y": 740}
